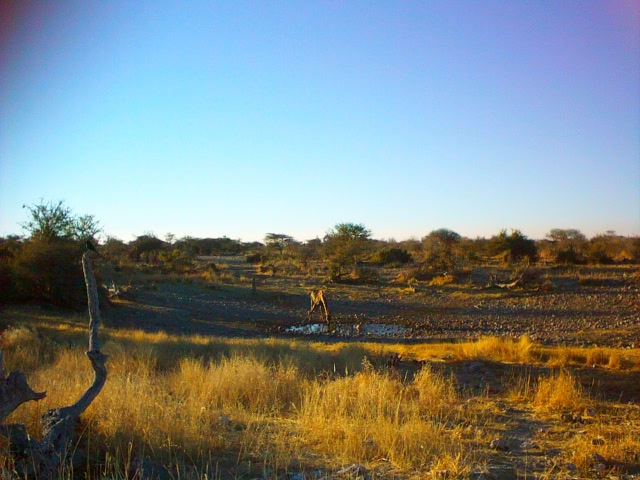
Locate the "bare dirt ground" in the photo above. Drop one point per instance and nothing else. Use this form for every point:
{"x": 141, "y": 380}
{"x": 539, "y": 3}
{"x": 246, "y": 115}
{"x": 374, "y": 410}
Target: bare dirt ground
{"x": 583, "y": 307}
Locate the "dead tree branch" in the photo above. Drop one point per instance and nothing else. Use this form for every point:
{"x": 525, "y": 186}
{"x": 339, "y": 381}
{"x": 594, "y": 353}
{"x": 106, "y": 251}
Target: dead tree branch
{"x": 14, "y": 391}
{"x": 44, "y": 458}
{"x": 509, "y": 284}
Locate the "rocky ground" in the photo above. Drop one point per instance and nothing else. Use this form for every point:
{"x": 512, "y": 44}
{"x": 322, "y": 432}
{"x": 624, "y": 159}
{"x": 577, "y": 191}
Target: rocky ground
{"x": 602, "y": 309}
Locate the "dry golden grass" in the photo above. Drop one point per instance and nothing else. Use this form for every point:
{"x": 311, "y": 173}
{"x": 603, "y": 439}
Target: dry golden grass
{"x": 190, "y": 402}
{"x": 497, "y": 349}
{"x": 559, "y": 392}
{"x": 373, "y": 415}
{"x": 616, "y": 441}
{"x": 441, "y": 280}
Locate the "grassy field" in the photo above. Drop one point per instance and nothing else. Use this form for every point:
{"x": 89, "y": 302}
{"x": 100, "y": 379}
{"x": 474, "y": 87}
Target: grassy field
{"x": 210, "y": 407}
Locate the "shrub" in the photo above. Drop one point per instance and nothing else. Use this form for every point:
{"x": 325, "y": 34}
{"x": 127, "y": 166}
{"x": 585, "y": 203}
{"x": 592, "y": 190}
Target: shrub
{"x": 559, "y": 392}
{"x": 514, "y": 246}
{"x": 253, "y": 258}
{"x": 49, "y": 272}
{"x": 440, "y": 250}
{"x": 392, "y": 256}
{"x": 569, "y": 257}
{"x": 365, "y": 275}
{"x": 6, "y": 281}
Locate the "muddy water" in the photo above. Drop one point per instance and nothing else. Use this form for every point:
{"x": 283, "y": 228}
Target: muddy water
{"x": 350, "y": 330}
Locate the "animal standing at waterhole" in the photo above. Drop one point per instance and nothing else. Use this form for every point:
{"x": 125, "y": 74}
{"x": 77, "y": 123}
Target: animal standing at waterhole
{"x": 318, "y": 300}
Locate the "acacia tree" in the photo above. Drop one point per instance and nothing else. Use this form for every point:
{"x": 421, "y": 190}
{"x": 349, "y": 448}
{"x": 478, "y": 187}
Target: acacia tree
{"x": 439, "y": 249}
{"x": 146, "y": 248}
{"x": 514, "y": 246}
{"x": 55, "y": 221}
{"x": 45, "y": 269}
{"x": 568, "y": 244}
{"x": 345, "y": 244}
{"x": 278, "y": 242}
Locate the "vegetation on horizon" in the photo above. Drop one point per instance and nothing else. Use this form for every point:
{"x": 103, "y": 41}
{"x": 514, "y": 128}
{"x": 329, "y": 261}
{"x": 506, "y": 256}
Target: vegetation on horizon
{"x": 42, "y": 267}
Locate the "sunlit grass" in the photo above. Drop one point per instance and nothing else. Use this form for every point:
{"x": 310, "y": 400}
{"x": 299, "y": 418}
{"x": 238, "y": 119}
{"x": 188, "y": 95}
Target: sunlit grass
{"x": 286, "y": 404}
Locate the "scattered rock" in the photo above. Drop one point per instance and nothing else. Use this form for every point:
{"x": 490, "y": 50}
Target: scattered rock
{"x": 356, "y": 470}
{"x": 554, "y": 452}
{"x": 224, "y": 420}
{"x": 600, "y": 468}
{"x": 567, "y": 418}
{"x": 571, "y": 467}
{"x": 530, "y": 445}
{"x": 146, "y": 469}
{"x": 589, "y": 412}
{"x": 599, "y": 441}
{"x": 499, "y": 472}
{"x": 500, "y": 444}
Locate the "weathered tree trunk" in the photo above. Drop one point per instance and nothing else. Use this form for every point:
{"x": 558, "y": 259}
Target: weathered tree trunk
{"x": 509, "y": 284}
{"x": 14, "y": 391}
{"x": 44, "y": 458}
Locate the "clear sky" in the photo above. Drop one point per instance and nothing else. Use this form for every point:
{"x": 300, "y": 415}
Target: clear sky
{"x": 239, "y": 118}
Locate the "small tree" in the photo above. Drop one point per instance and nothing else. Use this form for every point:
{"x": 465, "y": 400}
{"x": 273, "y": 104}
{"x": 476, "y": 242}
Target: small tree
{"x": 514, "y": 246}
{"x": 55, "y": 221}
{"x": 114, "y": 249}
{"x": 568, "y": 245}
{"x": 439, "y": 249}
{"x": 308, "y": 252}
{"x": 146, "y": 248}
{"x": 86, "y": 227}
{"x": 49, "y": 272}
{"x": 345, "y": 244}
{"x": 45, "y": 268}
{"x": 49, "y": 221}
{"x": 278, "y": 242}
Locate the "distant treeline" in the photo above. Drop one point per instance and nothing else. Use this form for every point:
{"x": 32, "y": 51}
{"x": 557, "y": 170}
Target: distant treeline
{"x": 43, "y": 266}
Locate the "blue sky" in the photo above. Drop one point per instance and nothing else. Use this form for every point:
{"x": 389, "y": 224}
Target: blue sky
{"x": 241, "y": 118}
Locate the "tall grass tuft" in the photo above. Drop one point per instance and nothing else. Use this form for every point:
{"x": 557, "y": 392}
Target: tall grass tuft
{"x": 374, "y": 415}
{"x": 23, "y": 348}
{"x": 498, "y": 349}
{"x": 558, "y": 392}
{"x": 237, "y": 383}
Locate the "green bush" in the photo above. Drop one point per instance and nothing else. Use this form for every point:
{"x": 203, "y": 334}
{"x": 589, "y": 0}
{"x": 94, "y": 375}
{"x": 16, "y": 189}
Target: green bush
{"x": 513, "y": 247}
{"x": 570, "y": 256}
{"x": 253, "y": 258}
{"x": 6, "y": 282}
{"x": 48, "y": 272}
{"x": 363, "y": 274}
{"x": 392, "y": 256}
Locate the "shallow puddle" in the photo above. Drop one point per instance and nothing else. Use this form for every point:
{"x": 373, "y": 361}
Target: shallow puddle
{"x": 350, "y": 330}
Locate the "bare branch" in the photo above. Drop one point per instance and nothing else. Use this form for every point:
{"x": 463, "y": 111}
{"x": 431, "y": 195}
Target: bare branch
{"x": 14, "y": 391}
